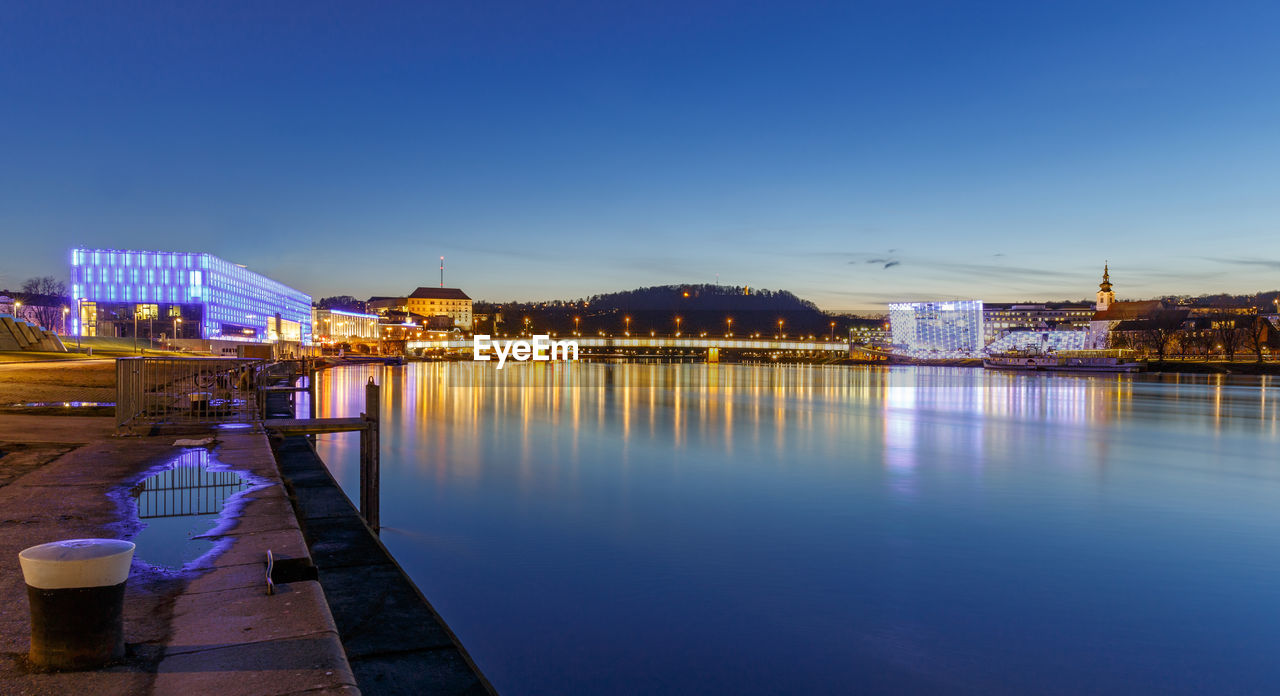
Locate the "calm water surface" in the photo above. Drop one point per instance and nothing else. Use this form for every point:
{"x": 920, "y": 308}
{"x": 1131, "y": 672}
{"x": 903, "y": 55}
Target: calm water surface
{"x": 691, "y": 529}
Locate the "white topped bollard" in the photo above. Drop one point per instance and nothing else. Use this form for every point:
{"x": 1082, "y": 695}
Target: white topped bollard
{"x": 76, "y": 591}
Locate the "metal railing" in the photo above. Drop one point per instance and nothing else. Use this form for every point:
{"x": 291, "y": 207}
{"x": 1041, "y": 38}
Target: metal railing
{"x": 186, "y": 490}
{"x": 155, "y": 390}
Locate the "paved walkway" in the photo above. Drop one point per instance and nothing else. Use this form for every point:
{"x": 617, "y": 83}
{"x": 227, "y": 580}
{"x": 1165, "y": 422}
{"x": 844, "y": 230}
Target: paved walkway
{"x": 215, "y": 631}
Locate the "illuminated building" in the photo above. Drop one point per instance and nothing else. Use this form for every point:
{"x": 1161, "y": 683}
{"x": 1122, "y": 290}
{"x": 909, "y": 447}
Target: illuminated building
{"x": 1106, "y": 296}
{"x": 1111, "y": 314}
{"x": 383, "y": 306}
{"x": 869, "y": 332}
{"x": 187, "y": 295}
{"x": 1001, "y": 319}
{"x": 937, "y": 329}
{"x": 447, "y": 302}
{"x": 340, "y": 325}
{"x": 1028, "y": 341}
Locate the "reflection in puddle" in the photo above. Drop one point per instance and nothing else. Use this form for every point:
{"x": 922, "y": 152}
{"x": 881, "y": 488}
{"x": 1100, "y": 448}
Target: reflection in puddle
{"x": 180, "y": 503}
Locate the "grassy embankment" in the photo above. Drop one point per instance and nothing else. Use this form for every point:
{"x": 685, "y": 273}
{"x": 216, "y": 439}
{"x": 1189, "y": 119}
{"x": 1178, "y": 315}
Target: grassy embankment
{"x": 101, "y": 347}
{"x": 56, "y": 383}
{"x": 37, "y": 377}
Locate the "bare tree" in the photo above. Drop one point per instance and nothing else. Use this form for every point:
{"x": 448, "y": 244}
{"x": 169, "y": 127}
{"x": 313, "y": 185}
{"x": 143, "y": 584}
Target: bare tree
{"x": 1227, "y": 331}
{"x": 1160, "y": 330}
{"x": 1157, "y": 332}
{"x": 1201, "y": 342}
{"x": 1255, "y": 333}
{"x": 45, "y": 298}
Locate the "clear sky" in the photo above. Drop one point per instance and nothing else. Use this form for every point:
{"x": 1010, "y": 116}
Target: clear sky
{"x": 852, "y": 152}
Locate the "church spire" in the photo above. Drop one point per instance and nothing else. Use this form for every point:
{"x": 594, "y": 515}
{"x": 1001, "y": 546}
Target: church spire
{"x": 1105, "y": 295}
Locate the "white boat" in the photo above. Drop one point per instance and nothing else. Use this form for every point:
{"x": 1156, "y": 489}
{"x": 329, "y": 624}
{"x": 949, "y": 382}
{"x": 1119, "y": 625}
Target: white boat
{"x": 1065, "y": 361}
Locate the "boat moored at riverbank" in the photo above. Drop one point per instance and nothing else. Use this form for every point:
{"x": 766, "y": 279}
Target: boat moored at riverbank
{"x": 1065, "y": 361}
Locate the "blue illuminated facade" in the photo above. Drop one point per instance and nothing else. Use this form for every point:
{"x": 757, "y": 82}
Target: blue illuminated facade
{"x": 937, "y": 329}
{"x": 198, "y": 295}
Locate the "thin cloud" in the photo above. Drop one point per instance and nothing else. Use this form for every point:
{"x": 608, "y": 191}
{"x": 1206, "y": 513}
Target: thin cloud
{"x": 997, "y": 270}
{"x": 1263, "y": 263}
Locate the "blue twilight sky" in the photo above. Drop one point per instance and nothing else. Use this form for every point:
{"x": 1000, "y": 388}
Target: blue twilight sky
{"x": 852, "y": 152}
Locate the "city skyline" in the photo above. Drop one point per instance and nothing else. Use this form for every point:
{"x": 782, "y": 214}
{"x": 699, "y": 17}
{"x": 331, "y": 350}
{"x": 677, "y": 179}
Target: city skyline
{"x": 854, "y": 155}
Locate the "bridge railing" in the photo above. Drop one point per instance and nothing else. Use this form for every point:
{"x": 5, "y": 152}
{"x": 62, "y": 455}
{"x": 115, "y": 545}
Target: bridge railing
{"x": 657, "y": 342}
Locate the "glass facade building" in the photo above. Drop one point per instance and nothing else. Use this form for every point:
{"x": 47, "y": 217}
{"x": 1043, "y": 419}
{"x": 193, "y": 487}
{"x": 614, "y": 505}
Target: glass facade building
{"x": 194, "y": 295}
{"x": 340, "y": 325}
{"x": 937, "y": 329}
{"x": 1039, "y": 342}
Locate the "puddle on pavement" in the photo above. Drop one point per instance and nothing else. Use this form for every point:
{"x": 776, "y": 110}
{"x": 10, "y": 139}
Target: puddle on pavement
{"x": 178, "y": 504}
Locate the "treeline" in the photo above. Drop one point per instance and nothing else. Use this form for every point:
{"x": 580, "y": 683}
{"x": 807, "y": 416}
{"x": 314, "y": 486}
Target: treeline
{"x": 668, "y": 309}
{"x": 1223, "y": 336}
{"x": 1264, "y": 302}
{"x": 345, "y": 303}
{"x": 45, "y": 301}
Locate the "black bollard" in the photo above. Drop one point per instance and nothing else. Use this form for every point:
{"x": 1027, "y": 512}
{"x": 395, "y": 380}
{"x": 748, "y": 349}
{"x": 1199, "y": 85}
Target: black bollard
{"x": 76, "y": 591}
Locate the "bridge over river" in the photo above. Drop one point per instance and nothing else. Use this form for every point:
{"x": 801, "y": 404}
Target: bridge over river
{"x": 596, "y": 345}
{"x": 590, "y": 343}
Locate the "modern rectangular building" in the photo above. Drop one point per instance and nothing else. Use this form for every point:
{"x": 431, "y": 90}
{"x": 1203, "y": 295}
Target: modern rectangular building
{"x": 340, "y": 325}
{"x": 183, "y": 295}
{"x": 1001, "y": 319}
{"x": 937, "y": 329}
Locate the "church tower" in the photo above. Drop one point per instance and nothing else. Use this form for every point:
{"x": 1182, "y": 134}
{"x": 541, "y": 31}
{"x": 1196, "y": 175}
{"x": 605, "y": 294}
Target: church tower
{"x": 1105, "y": 295}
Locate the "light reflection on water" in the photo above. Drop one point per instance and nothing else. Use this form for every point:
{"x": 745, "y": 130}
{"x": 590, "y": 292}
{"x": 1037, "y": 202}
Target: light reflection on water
{"x": 784, "y": 529}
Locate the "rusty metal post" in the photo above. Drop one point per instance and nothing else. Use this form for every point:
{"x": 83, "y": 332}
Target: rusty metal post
{"x": 312, "y": 373}
{"x": 370, "y": 492}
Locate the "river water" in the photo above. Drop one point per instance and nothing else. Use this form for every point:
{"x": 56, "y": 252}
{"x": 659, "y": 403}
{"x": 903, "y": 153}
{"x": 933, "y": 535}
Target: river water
{"x": 691, "y": 529}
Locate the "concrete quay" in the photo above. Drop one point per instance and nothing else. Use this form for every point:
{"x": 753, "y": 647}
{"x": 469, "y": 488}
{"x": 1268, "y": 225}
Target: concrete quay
{"x": 396, "y": 643}
{"x": 213, "y": 630}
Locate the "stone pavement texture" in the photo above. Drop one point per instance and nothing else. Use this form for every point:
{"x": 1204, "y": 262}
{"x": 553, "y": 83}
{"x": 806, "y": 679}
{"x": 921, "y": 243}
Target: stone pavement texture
{"x": 213, "y": 630}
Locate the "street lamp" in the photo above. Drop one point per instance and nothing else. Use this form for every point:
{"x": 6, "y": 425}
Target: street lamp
{"x": 176, "y": 320}
{"x": 833, "y": 331}
{"x": 729, "y": 321}
{"x": 628, "y": 325}
{"x": 780, "y": 334}
{"x": 677, "y": 327}
{"x": 575, "y": 325}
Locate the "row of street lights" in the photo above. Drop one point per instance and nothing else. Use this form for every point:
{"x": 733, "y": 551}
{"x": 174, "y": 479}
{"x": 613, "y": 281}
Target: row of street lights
{"x": 626, "y": 328}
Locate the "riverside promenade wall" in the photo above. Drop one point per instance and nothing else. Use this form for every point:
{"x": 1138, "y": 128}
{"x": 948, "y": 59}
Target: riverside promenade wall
{"x": 396, "y": 642}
